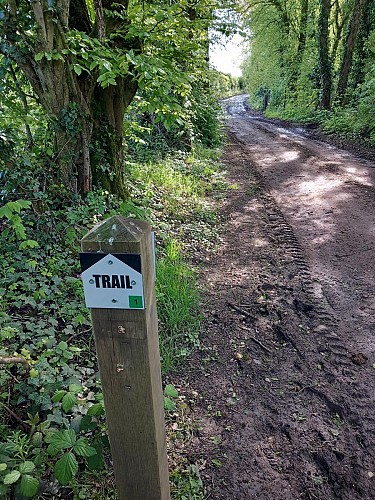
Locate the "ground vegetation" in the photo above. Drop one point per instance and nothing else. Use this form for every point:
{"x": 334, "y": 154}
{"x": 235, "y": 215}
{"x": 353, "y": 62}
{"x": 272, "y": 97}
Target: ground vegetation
{"x": 53, "y": 441}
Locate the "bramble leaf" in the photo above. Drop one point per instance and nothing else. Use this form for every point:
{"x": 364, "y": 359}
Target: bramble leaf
{"x": 68, "y": 401}
{"x": 83, "y": 449}
{"x": 58, "y": 396}
{"x": 75, "y": 388}
{"x": 12, "y": 477}
{"x": 29, "y": 485}
{"x": 63, "y": 439}
{"x": 96, "y": 409}
{"x": 66, "y": 468}
{"x": 26, "y": 467}
{"x": 28, "y": 244}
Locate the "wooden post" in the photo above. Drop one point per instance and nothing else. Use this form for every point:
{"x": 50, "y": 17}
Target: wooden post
{"x": 127, "y": 347}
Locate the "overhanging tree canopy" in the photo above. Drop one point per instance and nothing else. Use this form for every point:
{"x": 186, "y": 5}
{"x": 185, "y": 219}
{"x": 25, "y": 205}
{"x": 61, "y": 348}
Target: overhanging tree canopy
{"x": 308, "y": 53}
{"x": 85, "y": 61}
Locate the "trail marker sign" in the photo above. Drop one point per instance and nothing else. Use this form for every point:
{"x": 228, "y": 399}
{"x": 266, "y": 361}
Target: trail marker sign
{"x": 112, "y": 281}
{"x": 119, "y": 281}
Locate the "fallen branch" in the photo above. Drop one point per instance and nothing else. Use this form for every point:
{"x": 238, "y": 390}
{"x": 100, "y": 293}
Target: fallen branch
{"x": 18, "y": 419}
{"x": 12, "y": 360}
{"x": 11, "y": 375}
{"x": 256, "y": 341}
{"x": 353, "y": 253}
{"x": 241, "y": 311}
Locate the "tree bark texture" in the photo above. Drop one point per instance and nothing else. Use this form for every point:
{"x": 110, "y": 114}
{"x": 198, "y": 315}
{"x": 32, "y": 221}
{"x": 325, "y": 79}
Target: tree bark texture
{"x": 108, "y": 113}
{"x": 362, "y": 51}
{"x": 302, "y": 33}
{"x": 340, "y": 16}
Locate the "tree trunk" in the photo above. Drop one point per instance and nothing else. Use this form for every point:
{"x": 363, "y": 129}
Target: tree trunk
{"x": 349, "y": 46}
{"x": 362, "y": 50}
{"x": 302, "y": 31}
{"x": 324, "y": 60}
{"x": 87, "y": 119}
{"x": 340, "y": 16}
{"x": 109, "y": 106}
{"x": 56, "y": 86}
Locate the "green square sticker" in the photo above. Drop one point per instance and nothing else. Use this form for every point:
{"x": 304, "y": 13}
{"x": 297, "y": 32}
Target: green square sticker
{"x": 135, "y": 302}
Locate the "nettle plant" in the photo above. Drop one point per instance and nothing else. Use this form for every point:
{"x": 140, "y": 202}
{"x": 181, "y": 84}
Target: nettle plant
{"x": 11, "y": 212}
{"x": 16, "y": 472}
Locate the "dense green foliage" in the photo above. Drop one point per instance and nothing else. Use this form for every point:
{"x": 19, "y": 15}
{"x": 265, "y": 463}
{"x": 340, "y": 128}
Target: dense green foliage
{"x": 224, "y": 85}
{"x": 78, "y": 66}
{"x": 50, "y": 400}
{"x": 315, "y": 61}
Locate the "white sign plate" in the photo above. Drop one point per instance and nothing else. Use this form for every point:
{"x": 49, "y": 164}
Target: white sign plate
{"x": 112, "y": 281}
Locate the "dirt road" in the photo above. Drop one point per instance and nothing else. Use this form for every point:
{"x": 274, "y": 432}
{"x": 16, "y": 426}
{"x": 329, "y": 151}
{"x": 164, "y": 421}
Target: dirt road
{"x": 283, "y": 388}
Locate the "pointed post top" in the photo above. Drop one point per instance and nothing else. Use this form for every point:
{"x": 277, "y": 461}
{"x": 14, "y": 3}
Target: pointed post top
{"x": 116, "y": 234}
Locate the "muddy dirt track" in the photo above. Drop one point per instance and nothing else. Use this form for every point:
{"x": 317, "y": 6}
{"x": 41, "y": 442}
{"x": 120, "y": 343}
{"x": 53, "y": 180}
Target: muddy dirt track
{"x": 282, "y": 390}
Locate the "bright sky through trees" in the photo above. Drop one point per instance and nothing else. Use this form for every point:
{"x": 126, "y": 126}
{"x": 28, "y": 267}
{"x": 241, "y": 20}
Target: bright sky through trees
{"x": 227, "y": 56}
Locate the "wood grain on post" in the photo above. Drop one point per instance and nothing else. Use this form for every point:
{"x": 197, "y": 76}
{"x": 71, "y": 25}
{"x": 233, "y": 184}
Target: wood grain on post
{"x": 127, "y": 347}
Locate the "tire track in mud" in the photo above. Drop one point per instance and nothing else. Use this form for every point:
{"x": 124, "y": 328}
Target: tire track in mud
{"x": 311, "y": 153}
{"x": 273, "y": 389}
{"x": 325, "y": 324}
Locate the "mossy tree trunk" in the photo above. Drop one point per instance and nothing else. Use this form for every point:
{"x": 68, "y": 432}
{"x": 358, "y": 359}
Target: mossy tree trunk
{"x": 363, "y": 51}
{"x": 302, "y": 34}
{"x": 109, "y": 105}
{"x": 360, "y": 7}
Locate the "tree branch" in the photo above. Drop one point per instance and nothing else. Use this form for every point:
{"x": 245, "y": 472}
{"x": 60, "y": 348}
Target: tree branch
{"x": 12, "y": 8}
{"x": 24, "y": 103}
{"x": 78, "y": 16}
{"x": 39, "y": 17}
{"x": 18, "y": 419}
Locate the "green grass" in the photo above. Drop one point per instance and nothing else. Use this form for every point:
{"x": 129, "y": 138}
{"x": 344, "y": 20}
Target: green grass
{"x": 174, "y": 192}
{"x": 178, "y": 304}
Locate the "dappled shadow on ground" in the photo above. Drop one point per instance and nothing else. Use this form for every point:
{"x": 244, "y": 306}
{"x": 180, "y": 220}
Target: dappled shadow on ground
{"x": 282, "y": 385}
{"x": 329, "y": 197}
